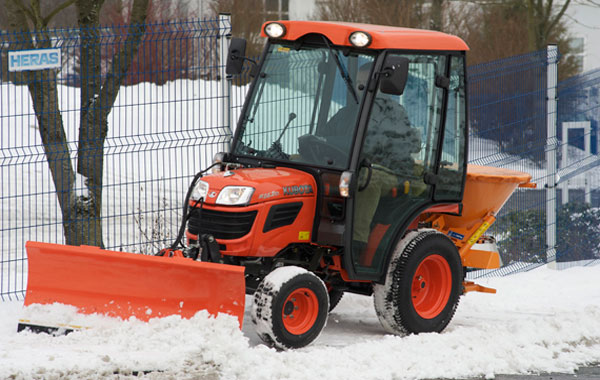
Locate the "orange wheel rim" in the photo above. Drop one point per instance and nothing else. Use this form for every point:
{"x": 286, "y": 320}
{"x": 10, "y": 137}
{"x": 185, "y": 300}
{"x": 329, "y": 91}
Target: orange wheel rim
{"x": 431, "y": 286}
{"x": 300, "y": 311}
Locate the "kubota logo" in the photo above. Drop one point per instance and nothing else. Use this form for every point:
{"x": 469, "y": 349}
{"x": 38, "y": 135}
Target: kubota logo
{"x": 297, "y": 190}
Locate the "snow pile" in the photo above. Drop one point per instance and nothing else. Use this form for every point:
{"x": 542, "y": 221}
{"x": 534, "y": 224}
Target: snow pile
{"x": 117, "y": 347}
{"x": 540, "y": 321}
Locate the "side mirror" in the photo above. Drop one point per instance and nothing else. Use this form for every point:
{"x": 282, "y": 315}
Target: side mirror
{"x": 236, "y": 56}
{"x": 394, "y": 75}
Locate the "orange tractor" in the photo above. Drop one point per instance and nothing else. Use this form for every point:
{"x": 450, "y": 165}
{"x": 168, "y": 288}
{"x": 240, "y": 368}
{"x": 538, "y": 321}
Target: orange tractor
{"x": 347, "y": 173}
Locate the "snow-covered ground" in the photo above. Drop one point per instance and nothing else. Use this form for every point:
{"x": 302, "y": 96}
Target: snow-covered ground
{"x": 540, "y": 321}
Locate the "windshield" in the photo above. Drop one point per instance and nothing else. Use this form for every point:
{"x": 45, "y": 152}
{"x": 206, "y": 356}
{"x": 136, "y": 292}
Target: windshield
{"x": 304, "y": 105}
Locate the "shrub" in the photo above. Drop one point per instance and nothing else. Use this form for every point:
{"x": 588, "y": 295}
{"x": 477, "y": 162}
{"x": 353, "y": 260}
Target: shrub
{"x": 577, "y": 234}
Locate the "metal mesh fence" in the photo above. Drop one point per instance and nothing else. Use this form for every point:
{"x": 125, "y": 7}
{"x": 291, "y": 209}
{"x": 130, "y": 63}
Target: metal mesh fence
{"x": 173, "y": 113}
{"x": 578, "y": 216}
{"x": 507, "y": 115}
{"x": 166, "y": 123}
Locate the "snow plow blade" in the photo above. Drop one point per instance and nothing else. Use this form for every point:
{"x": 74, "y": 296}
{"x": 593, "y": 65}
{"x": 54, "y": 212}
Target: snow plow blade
{"x": 124, "y": 285}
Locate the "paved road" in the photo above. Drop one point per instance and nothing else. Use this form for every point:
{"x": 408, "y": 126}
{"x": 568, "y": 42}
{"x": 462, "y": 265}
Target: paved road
{"x": 584, "y": 373}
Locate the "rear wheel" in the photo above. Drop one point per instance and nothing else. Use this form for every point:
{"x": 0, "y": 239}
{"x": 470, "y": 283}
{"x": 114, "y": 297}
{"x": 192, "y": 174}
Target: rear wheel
{"x": 422, "y": 286}
{"x": 290, "y": 307}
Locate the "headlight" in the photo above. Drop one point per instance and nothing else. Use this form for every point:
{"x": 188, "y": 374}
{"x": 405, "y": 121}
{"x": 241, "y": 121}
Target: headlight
{"x": 275, "y": 30}
{"x": 200, "y": 191}
{"x": 235, "y": 195}
{"x": 360, "y": 39}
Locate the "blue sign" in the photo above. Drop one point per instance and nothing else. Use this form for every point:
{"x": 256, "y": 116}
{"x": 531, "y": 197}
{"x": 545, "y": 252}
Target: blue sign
{"x": 38, "y": 59}
{"x": 456, "y": 235}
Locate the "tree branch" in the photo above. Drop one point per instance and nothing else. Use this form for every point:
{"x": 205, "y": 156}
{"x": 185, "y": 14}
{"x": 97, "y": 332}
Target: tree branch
{"x": 558, "y": 17}
{"x": 25, "y": 10}
{"x": 57, "y": 10}
{"x": 122, "y": 60}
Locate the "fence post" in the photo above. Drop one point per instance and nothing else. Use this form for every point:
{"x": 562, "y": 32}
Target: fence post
{"x": 551, "y": 147}
{"x": 224, "y": 40}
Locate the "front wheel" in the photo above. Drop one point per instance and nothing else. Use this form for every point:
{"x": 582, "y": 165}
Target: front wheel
{"x": 422, "y": 286}
{"x": 290, "y": 306}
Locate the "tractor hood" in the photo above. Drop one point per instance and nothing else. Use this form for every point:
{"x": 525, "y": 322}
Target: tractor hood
{"x": 269, "y": 184}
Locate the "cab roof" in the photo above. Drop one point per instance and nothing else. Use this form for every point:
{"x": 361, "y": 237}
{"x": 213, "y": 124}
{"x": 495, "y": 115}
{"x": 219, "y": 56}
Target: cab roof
{"x": 383, "y": 37}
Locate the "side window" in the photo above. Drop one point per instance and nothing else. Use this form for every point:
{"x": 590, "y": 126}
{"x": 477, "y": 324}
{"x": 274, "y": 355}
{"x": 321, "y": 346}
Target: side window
{"x": 400, "y": 146}
{"x": 403, "y": 130}
{"x": 452, "y": 164}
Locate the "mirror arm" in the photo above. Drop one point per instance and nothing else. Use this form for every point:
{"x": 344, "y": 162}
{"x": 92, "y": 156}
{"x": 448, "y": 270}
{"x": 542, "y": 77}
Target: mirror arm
{"x": 246, "y": 59}
{"x": 253, "y": 71}
{"x": 376, "y": 75}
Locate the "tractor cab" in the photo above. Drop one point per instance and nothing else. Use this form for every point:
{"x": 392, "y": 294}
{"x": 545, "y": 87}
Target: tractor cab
{"x": 377, "y": 115}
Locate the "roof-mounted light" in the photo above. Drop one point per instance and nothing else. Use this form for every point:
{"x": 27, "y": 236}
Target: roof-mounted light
{"x": 275, "y": 30}
{"x": 360, "y": 39}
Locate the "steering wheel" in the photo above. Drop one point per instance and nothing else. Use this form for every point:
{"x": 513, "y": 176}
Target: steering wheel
{"x": 276, "y": 151}
{"x": 316, "y": 149}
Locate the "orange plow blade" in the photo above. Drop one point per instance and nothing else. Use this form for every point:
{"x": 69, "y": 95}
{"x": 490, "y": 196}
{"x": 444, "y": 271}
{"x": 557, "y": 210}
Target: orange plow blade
{"x": 123, "y": 285}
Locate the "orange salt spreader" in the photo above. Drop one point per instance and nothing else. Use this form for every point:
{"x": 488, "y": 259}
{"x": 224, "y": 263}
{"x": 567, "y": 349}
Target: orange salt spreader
{"x": 347, "y": 173}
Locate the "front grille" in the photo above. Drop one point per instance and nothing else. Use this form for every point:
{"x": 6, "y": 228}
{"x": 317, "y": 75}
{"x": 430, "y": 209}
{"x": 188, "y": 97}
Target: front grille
{"x": 221, "y": 224}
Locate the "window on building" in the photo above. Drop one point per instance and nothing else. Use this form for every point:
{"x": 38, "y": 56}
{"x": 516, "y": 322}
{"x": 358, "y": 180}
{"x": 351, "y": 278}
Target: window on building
{"x": 577, "y": 47}
{"x": 277, "y": 9}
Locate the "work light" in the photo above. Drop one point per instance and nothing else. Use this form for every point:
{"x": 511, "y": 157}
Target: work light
{"x": 200, "y": 191}
{"x": 360, "y": 39}
{"x": 219, "y": 158}
{"x": 275, "y": 30}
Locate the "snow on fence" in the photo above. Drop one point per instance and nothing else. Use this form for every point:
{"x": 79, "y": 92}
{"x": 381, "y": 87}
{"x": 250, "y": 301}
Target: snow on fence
{"x": 175, "y": 109}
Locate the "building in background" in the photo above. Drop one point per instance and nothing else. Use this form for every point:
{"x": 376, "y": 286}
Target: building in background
{"x": 277, "y": 9}
{"x": 584, "y": 25}
{"x": 578, "y": 45}
{"x": 301, "y": 9}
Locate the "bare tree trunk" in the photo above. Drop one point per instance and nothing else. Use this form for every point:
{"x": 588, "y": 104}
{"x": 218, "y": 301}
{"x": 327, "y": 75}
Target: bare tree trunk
{"x": 90, "y": 142}
{"x": 80, "y": 201}
{"x": 42, "y": 87}
{"x": 97, "y": 99}
{"x": 44, "y": 95}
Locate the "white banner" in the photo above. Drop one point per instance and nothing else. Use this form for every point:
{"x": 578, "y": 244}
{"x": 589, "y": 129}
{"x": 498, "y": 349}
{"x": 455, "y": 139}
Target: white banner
{"x": 37, "y": 59}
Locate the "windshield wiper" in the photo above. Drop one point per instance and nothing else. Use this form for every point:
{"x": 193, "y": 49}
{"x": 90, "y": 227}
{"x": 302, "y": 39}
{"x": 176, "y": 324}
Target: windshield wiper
{"x": 343, "y": 71}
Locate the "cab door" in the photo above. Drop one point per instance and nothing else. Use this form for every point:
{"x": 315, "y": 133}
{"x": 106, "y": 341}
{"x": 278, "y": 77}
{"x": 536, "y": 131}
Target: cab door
{"x": 397, "y": 163}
